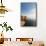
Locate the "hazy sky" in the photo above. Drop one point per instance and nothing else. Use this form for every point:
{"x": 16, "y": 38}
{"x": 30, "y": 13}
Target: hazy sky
{"x": 28, "y": 9}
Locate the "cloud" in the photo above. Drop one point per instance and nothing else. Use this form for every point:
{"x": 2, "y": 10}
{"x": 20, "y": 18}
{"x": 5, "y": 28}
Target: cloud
{"x": 31, "y": 14}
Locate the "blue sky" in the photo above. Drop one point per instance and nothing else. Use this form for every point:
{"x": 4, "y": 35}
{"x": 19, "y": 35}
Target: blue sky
{"x": 27, "y": 7}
